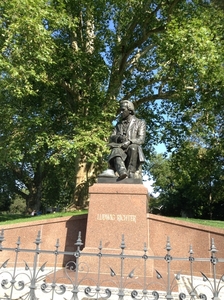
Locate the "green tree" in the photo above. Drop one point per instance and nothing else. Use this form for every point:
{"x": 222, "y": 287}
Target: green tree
{"x": 6, "y": 189}
{"x": 66, "y": 64}
{"x": 190, "y": 182}
{"x": 164, "y": 184}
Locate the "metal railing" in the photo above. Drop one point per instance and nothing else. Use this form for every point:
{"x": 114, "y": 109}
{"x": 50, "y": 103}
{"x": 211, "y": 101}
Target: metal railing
{"x": 76, "y": 281}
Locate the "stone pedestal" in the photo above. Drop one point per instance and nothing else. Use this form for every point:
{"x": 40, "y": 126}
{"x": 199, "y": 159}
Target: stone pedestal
{"x": 118, "y": 215}
{"x": 116, "y": 210}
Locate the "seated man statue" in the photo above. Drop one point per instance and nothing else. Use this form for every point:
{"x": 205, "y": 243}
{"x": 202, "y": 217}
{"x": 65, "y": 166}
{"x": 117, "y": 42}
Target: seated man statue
{"x": 125, "y": 142}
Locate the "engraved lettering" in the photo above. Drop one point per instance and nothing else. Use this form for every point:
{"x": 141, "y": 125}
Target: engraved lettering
{"x": 126, "y": 218}
{"x": 119, "y": 218}
{"x": 106, "y": 217}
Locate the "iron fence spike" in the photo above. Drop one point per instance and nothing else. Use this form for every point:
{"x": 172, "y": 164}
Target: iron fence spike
{"x": 122, "y": 242}
{"x": 191, "y": 250}
{"x": 213, "y": 248}
{"x": 168, "y": 246}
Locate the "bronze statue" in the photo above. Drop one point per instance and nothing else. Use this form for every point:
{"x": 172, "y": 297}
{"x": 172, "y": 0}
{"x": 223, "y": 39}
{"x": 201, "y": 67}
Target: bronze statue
{"x": 126, "y": 154}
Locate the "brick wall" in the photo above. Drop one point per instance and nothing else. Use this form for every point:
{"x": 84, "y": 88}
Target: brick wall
{"x": 181, "y": 234}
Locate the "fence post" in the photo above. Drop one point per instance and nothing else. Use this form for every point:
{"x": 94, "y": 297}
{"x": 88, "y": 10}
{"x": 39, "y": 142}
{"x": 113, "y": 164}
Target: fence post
{"x": 33, "y": 279}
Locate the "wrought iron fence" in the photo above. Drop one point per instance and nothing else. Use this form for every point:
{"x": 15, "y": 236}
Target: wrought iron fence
{"x": 76, "y": 281}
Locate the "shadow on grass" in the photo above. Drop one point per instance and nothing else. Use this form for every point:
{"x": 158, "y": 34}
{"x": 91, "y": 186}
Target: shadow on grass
{"x": 19, "y": 218}
{"x": 10, "y": 217}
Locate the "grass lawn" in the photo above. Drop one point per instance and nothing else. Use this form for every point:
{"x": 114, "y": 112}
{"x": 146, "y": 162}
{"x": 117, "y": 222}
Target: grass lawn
{"x": 17, "y": 218}
{"x": 213, "y": 223}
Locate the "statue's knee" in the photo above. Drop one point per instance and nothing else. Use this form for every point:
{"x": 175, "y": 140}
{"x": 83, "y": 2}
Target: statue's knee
{"x": 133, "y": 147}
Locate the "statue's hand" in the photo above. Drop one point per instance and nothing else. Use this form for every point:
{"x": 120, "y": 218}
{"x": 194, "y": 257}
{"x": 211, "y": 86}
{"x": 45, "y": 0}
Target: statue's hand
{"x": 125, "y": 145}
{"x": 121, "y": 139}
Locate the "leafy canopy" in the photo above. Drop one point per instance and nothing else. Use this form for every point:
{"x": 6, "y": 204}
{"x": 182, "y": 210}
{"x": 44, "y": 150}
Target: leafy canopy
{"x": 66, "y": 64}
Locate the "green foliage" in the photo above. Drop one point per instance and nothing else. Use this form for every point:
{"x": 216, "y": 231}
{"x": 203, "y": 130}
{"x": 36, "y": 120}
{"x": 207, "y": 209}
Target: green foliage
{"x": 66, "y": 64}
{"x": 190, "y": 182}
{"x": 5, "y": 202}
{"x": 18, "y": 206}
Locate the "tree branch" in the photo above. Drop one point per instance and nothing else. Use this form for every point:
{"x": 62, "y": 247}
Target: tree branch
{"x": 151, "y": 81}
{"x": 120, "y": 62}
{"x": 151, "y": 98}
{"x": 138, "y": 55}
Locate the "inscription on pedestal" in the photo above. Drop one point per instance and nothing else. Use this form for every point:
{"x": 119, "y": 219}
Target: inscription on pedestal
{"x": 116, "y": 217}
{"x": 116, "y": 211}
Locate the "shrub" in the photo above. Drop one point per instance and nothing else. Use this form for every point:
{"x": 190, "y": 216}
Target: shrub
{"x": 18, "y": 206}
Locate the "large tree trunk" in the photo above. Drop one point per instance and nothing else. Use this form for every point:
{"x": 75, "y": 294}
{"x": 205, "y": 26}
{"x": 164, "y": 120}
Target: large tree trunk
{"x": 33, "y": 185}
{"x": 33, "y": 200}
{"x": 83, "y": 179}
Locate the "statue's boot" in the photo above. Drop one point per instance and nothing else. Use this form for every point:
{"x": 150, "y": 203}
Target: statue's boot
{"x": 120, "y": 168}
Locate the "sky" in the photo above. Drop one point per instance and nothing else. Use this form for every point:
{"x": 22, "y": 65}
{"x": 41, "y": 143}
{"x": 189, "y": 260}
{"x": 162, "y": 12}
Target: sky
{"x": 148, "y": 185}
{"x": 160, "y": 148}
